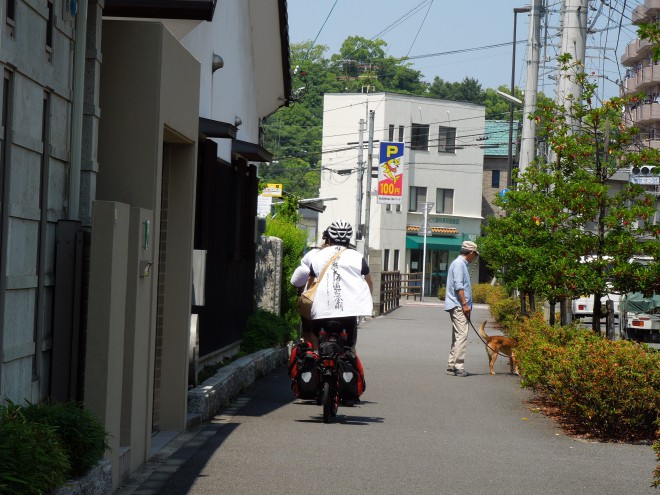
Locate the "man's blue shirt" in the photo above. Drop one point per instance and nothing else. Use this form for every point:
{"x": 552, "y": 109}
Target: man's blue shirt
{"x": 458, "y": 277}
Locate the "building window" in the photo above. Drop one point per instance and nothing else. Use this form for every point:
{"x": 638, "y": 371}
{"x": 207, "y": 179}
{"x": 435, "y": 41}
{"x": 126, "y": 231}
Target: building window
{"x": 401, "y": 134}
{"x": 398, "y": 208}
{"x": 49, "y": 32}
{"x": 495, "y": 180}
{"x": 395, "y": 263}
{"x": 419, "y": 137}
{"x": 417, "y": 196}
{"x": 388, "y": 207}
{"x": 10, "y": 16}
{"x": 390, "y": 134}
{"x": 446, "y": 139}
{"x": 444, "y": 201}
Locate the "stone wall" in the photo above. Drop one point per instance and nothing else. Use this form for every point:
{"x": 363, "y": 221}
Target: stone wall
{"x": 268, "y": 274}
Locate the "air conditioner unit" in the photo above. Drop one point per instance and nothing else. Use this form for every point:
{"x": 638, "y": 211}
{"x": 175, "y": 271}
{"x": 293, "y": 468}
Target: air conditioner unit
{"x": 644, "y": 174}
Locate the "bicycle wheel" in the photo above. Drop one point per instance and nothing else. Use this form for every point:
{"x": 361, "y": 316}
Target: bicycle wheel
{"x": 328, "y": 402}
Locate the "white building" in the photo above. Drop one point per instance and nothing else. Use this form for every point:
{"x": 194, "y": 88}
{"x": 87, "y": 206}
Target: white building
{"x": 442, "y": 164}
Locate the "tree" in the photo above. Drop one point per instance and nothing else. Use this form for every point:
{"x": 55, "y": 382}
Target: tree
{"x": 651, "y": 32}
{"x": 565, "y": 207}
{"x": 469, "y": 90}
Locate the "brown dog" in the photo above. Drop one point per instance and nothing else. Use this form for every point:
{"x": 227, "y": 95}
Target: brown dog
{"x": 499, "y": 344}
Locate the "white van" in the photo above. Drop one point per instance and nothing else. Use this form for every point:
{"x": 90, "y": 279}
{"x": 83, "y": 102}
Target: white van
{"x": 583, "y": 307}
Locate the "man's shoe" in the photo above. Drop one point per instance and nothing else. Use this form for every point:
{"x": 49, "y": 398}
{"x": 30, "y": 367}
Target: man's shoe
{"x": 462, "y": 372}
{"x": 451, "y": 371}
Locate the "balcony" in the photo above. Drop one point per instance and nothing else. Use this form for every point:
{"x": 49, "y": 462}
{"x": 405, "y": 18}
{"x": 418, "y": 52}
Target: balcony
{"x": 646, "y": 113}
{"x": 642, "y": 80}
{"x": 653, "y": 143}
{"x": 635, "y": 51}
{"x": 644, "y": 13}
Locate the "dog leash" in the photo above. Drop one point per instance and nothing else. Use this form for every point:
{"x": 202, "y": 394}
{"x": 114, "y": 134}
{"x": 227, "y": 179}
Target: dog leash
{"x": 480, "y": 338}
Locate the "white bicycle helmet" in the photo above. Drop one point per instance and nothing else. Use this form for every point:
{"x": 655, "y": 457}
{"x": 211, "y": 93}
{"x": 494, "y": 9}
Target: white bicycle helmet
{"x": 340, "y": 231}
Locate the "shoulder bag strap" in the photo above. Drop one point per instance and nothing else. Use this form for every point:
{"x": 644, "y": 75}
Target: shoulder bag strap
{"x": 330, "y": 262}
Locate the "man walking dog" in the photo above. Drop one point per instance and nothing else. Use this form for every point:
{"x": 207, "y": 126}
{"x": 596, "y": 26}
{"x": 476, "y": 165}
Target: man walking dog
{"x": 458, "y": 303}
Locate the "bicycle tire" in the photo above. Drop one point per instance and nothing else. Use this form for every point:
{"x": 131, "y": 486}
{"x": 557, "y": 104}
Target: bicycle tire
{"x": 327, "y": 402}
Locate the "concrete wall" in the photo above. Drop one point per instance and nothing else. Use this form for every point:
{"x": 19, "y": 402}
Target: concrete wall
{"x": 33, "y": 190}
{"x": 104, "y": 360}
{"x": 149, "y": 98}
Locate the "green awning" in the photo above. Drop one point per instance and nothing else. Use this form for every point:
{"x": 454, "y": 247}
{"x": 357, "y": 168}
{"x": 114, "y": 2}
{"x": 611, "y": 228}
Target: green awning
{"x": 435, "y": 243}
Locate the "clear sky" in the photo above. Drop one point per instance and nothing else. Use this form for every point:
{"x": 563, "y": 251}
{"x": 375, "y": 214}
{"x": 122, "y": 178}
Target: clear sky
{"x": 427, "y": 27}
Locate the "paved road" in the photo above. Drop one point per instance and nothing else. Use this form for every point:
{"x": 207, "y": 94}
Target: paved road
{"x": 417, "y": 431}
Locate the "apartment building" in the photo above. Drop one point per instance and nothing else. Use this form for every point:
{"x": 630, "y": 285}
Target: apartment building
{"x": 441, "y": 162}
{"x": 643, "y": 77}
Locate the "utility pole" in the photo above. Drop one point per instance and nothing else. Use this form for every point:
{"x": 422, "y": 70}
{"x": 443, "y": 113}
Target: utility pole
{"x": 360, "y": 173}
{"x": 516, "y": 11}
{"x": 528, "y": 140}
{"x": 367, "y": 208}
{"x": 573, "y": 42}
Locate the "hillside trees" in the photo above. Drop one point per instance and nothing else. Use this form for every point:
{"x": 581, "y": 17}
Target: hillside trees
{"x": 293, "y": 133}
{"x": 564, "y": 207}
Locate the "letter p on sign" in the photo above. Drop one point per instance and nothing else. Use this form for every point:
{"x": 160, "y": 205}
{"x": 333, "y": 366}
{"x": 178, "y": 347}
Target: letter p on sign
{"x": 391, "y": 150}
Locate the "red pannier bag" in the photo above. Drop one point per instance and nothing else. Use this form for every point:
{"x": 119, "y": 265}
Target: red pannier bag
{"x": 351, "y": 376}
{"x": 303, "y": 371}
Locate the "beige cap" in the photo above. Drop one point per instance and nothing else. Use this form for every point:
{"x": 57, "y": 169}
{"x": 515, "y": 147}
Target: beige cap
{"x": 470, "y": 246}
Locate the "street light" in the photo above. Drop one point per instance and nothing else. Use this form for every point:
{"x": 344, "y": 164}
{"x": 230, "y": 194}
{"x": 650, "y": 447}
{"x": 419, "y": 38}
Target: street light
{"x": 426, "y": 231}
{"x": 509, "y": 98}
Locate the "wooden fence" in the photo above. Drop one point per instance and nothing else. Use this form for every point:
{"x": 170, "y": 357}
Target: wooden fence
{"x": 390, "y": 290}
{"x": 396, "y": 284}
{"x": 411, "y": 285}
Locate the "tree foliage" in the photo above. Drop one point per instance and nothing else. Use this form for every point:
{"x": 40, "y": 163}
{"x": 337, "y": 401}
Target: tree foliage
{"x": 565, "y": 207}
{"x": 651, "y": 32}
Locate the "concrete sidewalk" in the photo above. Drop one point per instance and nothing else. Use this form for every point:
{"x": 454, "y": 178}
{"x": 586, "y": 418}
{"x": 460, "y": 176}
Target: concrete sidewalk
{"x": 417, "y": 430}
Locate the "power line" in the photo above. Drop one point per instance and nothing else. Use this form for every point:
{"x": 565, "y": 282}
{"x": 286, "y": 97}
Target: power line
{"x": 322, "y": 26}
{"x": 420, "y": 28}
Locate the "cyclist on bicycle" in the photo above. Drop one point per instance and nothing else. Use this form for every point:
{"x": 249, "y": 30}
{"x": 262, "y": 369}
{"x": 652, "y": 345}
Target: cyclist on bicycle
{"x": 344, "y": 293}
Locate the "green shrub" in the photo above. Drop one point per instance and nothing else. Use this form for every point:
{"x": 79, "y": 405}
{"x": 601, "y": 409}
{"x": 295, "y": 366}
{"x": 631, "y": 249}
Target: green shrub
{"x": 265, "y": 330}
{"x": 32, "y": 458}
{"x": 81, "y": 434}
{"x": 480, "y": 292}
{"x": 504, "y": 308}
{"x": 591, "y": 379}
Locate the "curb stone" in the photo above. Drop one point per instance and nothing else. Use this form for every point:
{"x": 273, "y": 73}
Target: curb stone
{"x": 206, "y": 400}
